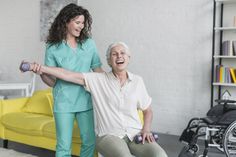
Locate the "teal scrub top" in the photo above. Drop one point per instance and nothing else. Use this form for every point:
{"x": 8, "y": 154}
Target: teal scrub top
{"x": 70, "y": 97}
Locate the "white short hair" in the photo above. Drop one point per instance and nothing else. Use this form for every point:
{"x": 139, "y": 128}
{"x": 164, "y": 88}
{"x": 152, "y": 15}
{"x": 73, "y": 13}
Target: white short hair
{"x": 108, "y": 53}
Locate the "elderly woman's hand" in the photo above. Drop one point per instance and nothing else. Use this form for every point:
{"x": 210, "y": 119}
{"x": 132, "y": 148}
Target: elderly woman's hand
{"x": 36, "y": 68}
{"x": 27, "y": 66}
{"x": 147, "y": 135}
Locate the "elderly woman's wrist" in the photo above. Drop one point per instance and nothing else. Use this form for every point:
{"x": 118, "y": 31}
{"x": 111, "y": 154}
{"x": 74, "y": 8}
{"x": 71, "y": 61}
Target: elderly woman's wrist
{"x": 31, "y": 66}
{"x": 146, "y": 130}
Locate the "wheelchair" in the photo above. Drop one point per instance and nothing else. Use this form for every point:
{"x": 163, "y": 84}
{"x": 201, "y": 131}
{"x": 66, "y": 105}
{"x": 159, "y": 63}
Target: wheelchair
{"x": 217, "y": 129}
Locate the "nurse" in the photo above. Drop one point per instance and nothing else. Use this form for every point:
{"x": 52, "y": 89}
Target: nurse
{"x": 69, "y": 46}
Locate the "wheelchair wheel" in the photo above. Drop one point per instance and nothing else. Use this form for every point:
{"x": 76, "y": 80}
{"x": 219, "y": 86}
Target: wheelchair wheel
{"x": 229, "y": 140}
{"x": 195, "y": 148}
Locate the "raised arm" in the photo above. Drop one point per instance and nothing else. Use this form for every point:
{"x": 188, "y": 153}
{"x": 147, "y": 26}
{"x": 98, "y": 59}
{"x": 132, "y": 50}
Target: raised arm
{"x": 63, "y": 74}
{"x": 98, "y": 70}
{"x": 60, "y": 73}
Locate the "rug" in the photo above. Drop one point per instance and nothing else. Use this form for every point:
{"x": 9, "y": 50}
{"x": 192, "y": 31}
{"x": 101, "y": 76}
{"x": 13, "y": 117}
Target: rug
{"x": 12, "y": 153}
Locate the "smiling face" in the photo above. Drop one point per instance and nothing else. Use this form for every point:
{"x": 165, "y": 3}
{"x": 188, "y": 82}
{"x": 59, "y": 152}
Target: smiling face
{"x": 119, "y": 58}
{"x": 75, "y": 26}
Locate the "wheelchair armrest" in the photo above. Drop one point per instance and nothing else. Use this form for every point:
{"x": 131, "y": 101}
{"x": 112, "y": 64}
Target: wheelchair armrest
{"x": 227, "y": 105}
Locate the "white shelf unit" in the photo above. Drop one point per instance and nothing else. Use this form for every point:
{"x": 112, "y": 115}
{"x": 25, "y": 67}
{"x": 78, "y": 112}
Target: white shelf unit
{"x": 225, "y": 28}
{"x": 225, "y": 57}
{"x": 219, "y": 30}
{"x": 224, "y": 84}
{"x": 225, "y": 1}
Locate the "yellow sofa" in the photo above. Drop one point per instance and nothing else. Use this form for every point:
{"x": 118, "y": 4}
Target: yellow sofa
{"x": 30, "y": 121}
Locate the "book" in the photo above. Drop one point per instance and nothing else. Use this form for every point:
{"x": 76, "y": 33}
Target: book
{"x": 234, "y": 48}
{"x": 222, "y": 71}
{"x": 224, "y": 51}
{"x": 232, "y": 72}
{"x": 228, "y": 48}
{"x": 217, "y": 73}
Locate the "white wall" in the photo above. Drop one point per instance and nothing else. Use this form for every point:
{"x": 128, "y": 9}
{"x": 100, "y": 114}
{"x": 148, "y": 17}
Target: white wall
{"x": 171, "y": 45}
{"x": 19, "y": 30}
{"x": 170, "y": 41}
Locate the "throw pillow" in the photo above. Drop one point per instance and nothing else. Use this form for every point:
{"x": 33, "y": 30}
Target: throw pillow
{"x": 39, "y": 103}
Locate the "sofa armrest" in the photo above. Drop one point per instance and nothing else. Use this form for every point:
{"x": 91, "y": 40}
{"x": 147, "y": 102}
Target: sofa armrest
{"x": 8, "y": 106}
{"x": 12, "y": 105}
{"x": 1, "y": 127}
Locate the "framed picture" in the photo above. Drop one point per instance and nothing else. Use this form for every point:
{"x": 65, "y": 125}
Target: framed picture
{"x": 48, "y": 11}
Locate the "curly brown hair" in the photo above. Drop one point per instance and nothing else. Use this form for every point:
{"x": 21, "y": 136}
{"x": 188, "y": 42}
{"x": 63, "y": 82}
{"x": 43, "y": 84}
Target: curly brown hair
{"x": 58, "y": 29}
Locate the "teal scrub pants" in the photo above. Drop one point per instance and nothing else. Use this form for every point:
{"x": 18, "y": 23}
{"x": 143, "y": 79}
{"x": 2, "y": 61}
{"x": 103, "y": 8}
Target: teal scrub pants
{"x": 64, "y": 130}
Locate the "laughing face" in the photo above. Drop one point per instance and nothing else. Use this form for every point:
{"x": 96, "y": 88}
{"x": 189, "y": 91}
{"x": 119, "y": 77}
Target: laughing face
{"x": 119, "y": 58}
{"x": 75, "y": 26}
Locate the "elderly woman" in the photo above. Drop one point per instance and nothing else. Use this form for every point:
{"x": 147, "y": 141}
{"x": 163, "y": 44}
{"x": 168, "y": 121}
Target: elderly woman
{"x": 116, "y": 95}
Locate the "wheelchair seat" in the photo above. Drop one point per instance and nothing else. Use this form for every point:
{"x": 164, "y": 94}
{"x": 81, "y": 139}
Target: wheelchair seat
{"x": 210, "y": 120}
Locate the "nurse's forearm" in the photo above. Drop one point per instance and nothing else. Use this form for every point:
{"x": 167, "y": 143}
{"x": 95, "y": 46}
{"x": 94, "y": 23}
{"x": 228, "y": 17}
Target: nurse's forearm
{"x": 48, "y": 79}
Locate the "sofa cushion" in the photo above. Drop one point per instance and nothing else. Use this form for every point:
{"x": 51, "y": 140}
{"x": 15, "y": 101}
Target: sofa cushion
{"x": 39, "y": 103}
{"x": 26, "y": 123}
{"x": 49, "y": 131}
